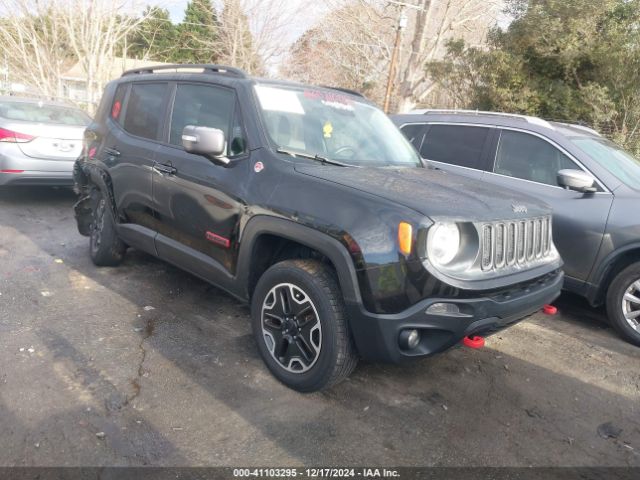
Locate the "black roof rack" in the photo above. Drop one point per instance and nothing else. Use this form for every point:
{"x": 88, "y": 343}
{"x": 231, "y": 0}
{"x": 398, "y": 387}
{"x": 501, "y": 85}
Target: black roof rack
{"x": 345, "y": 90}
{"x": 206, "y": 68}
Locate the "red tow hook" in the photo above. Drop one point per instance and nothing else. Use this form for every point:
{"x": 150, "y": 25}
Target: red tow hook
{"x": 549, "y": 310}
{"x": 473, "y": 342}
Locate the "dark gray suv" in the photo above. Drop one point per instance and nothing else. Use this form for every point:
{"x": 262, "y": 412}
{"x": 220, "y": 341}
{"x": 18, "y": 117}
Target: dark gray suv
{"x": 592, "y": 184}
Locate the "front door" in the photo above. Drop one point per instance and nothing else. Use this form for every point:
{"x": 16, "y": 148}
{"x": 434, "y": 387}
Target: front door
{"x": 198, "y": 204}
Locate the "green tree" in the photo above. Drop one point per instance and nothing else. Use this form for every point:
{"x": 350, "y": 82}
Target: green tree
{"x": 155, "y": 38}
{"x": 562, "y": 59}
{"x": 197, "y": 33}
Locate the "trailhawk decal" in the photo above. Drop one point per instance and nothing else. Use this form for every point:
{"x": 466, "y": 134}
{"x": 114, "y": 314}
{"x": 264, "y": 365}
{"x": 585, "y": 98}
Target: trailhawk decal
{"x": 217, "y": 239}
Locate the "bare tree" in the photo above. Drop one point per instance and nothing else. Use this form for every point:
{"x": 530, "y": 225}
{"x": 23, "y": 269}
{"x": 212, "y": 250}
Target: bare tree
{"x": 352, "y": 43}
{"x": 33, "y": 42}
{"x": 253, "y": 34}
{"x": 43, "y": 38}
{"x": 94, "y": 29}
{"x": 271, "y": 22}
{"x": 429, "y": 29}
{"x": 236, "y": 44}
{"x": 350, "y": 46}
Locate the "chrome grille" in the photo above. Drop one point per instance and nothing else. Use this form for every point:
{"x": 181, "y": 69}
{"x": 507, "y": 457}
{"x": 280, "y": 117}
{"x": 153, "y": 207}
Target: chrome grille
{"x": 511, "y": 243}
{"x": 504, "y": 244}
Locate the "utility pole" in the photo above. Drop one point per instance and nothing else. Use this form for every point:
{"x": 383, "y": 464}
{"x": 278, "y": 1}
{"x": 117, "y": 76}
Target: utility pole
{"x": 402, "y": 24}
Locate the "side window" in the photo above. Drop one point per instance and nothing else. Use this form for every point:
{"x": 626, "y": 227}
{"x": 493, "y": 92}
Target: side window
{"x": 455, "y": 144}
{"x": 145, "y": 109}
{"x": 414, "y": 133}
{"x": 526, "y": 156}
{"x": 204, "y": 106}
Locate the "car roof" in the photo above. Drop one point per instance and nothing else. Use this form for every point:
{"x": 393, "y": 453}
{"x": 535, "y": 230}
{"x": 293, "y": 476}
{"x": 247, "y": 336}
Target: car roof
{"x": 181, "y": 71}
{"x": 500, "y": 119}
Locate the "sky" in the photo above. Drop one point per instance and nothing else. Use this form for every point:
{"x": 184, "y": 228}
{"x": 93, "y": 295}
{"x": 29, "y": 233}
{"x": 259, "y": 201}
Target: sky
{"x": 176, "y": 7}
{"x": 176, "y": 10}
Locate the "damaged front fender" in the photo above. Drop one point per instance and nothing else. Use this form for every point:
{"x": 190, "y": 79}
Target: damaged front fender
{"x": 82, "y": 208}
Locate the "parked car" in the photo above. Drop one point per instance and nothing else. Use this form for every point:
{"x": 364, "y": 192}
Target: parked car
{"x": 592, "y": 185}
{"x": 39, "y": 141}
{"x": 308, "y": 203}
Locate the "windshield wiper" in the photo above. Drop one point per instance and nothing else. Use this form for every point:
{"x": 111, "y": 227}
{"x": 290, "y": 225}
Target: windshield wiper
{"x": 315, "y": 157}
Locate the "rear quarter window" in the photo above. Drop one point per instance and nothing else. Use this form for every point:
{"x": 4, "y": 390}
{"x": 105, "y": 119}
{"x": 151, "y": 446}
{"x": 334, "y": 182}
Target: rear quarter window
{"x": 145, "y": 109}
{"x": 455, "y": 144}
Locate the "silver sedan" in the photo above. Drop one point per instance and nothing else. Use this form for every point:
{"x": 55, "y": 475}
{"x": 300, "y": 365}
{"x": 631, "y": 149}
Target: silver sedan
{"x": 39, "y": 141}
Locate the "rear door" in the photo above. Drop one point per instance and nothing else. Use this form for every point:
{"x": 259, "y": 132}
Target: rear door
{"x": 136, "y": 125}
{"x": 529, "y": 163}
{"x": 198, "y": 203}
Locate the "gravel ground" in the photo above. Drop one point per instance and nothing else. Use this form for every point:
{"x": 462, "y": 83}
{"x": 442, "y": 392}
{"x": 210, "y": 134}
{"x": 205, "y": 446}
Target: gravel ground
{"x": 147, "y": 365}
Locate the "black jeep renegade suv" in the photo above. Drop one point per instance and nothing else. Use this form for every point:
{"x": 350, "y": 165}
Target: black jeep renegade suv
{"x": 308, "y": 203}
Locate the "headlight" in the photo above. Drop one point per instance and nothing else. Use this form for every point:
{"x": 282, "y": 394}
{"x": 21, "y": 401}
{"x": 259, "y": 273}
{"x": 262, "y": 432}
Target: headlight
{"x": 443, "y": 243}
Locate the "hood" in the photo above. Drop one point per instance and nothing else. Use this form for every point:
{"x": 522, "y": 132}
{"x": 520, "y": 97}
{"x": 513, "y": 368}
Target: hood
{"x": 434, "y": 193}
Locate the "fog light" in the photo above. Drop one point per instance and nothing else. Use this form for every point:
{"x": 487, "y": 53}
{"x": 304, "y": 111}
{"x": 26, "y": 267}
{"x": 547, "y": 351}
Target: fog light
{"x": 443, "y": 309}
{"x": 409, "y": 339}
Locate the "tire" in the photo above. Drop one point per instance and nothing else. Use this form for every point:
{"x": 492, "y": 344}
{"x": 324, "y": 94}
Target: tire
{"x": 623, "y": 303}
{"x": 105, "y": 248}
{"x": 304, "y": 339}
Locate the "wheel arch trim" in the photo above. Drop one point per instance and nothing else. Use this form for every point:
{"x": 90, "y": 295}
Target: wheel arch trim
{"x": 598, "y": 285}
{"x": 328, "y": 246}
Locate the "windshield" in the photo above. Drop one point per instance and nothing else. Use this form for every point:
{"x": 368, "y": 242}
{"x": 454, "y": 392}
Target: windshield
{"x": 612, "y": 157}
{"x": 38, "y": 112}
{"x": 333, "y": 125}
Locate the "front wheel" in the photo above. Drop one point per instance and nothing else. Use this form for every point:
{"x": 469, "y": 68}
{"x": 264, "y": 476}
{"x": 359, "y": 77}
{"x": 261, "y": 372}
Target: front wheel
{"x": 298, "y": 321}
{"x": 623, "y": 303}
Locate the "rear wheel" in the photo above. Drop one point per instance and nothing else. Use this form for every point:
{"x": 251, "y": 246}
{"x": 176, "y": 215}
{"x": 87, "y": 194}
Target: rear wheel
{"x": 623, "y": 303}
{"x": 105, "y": 248}
{"x": 299, "y": 324}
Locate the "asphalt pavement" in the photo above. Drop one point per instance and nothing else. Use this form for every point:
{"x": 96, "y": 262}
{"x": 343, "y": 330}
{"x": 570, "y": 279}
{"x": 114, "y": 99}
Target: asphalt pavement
{"x": 147, "y": 365}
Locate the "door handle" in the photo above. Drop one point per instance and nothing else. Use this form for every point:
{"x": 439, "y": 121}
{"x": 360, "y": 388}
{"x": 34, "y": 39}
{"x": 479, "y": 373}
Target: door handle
{"x": 162, "y": 168}
{"x": 112, "y": 152}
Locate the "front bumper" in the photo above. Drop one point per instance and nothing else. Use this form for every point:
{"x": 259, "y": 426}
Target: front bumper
{"x": 377, "y": 335}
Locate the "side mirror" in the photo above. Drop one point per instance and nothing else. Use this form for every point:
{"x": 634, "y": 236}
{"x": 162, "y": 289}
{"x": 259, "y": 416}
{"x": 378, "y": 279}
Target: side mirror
{"x": 209, "y": 142}
{"x": 576, "y": 180}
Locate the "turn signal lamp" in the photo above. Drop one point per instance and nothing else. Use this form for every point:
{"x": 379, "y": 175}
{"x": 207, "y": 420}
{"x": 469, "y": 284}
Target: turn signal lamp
{"x": 405, "y": 237}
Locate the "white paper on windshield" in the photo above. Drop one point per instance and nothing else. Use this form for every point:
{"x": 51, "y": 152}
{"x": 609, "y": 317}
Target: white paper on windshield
{"x": 279, "y": 100}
